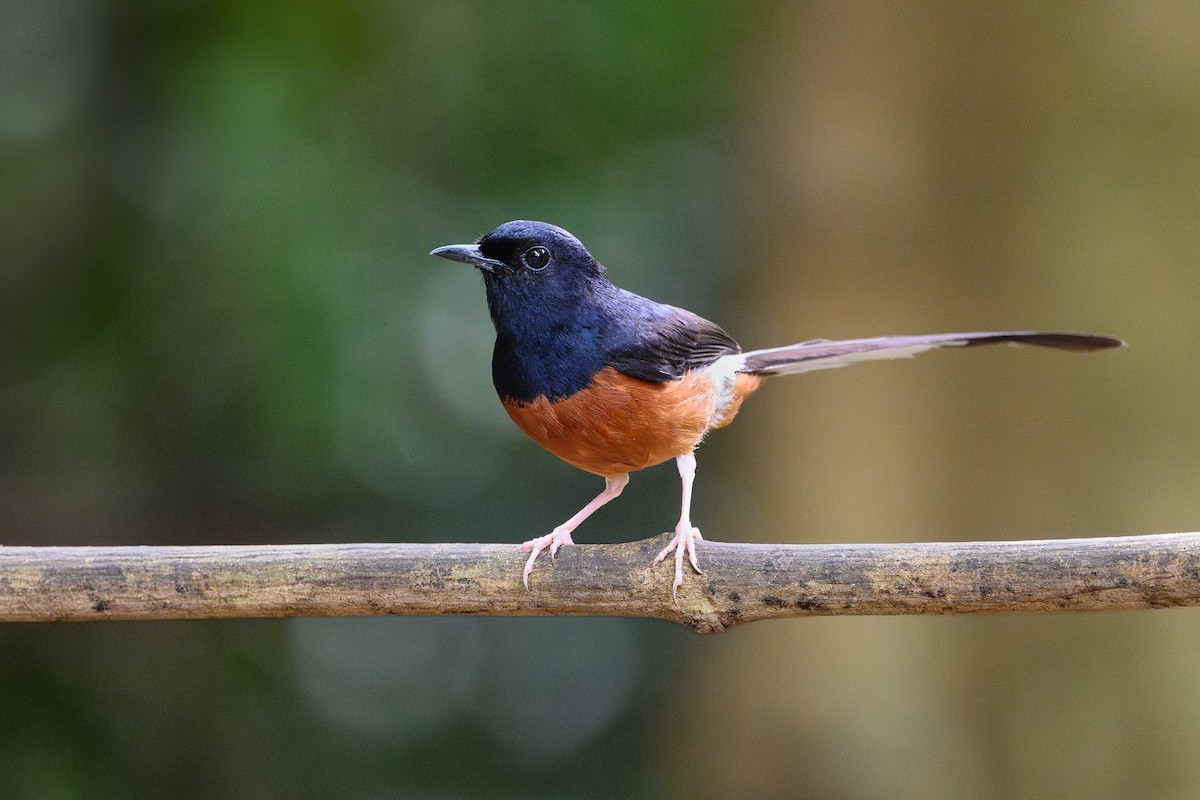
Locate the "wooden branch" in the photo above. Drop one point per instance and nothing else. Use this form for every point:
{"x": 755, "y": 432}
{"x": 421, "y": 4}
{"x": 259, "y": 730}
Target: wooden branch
{"x": 741, "y": 582}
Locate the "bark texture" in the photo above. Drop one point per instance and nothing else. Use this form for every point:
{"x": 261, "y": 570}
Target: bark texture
{"x": 741, "y": 582}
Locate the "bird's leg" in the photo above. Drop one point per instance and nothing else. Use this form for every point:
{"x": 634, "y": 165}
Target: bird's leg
{"x": 562, "y": 534}
{"x": 685, "y": 534}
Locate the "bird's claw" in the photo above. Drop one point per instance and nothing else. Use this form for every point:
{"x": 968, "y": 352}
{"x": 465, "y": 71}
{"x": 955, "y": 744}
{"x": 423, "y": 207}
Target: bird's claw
{"x": 554, "y": 540}
{"x": 684, "y": 541}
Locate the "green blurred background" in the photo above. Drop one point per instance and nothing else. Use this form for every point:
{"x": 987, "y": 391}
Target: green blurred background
{"x": 220, "y": 325}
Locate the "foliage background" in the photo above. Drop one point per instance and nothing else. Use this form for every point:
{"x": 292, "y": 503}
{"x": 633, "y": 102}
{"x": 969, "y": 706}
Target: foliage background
{"x": 220, "y": 326}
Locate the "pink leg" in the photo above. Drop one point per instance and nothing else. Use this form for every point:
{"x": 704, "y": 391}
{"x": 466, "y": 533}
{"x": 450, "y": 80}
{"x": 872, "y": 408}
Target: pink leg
{"x": 562, "y": 534}
{"x": 685, "y": 534}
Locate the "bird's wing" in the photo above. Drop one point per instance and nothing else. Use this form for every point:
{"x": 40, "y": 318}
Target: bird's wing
{"x": 667, "y": 343}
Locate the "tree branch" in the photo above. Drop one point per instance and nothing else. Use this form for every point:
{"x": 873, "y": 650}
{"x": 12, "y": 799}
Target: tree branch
{"x": 741, "y": 582}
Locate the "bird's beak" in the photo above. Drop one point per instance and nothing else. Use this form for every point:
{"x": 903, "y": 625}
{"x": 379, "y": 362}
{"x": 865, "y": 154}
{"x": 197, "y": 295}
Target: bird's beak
{"x": 468, "y": 254}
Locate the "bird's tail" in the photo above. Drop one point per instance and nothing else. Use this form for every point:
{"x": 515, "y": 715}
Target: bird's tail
{"x": 825, "y": 354}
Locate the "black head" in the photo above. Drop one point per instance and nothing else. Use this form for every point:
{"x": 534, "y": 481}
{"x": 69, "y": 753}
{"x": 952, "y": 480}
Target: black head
{"x": 538, "y": 276}
{"x": 523, "y": 251}
{"x": 551, "y": 305}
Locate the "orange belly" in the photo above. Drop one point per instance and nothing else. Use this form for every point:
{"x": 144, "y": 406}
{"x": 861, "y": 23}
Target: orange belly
{"x": 620, "y": 424}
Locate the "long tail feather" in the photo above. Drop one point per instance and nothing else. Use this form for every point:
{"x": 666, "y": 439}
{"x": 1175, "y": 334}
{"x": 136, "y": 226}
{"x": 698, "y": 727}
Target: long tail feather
{"x": 822, "y": 354}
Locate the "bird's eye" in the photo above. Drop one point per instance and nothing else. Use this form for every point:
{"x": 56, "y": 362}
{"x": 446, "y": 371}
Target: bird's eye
{"x": 536, "y": 257}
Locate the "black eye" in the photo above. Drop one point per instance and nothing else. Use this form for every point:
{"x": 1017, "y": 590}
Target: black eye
{"x": 536, "y": 257}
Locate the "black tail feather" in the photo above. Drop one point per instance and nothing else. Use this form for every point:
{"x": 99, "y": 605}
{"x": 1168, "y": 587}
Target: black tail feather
{"x": 825, "y": 354}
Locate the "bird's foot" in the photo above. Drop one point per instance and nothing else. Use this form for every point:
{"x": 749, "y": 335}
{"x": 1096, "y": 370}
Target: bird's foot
{"x": 554, "y": 540}
{"x": 684, "y": 541}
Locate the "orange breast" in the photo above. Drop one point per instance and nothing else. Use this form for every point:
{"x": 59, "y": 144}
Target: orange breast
{"x": 620, "y": 424}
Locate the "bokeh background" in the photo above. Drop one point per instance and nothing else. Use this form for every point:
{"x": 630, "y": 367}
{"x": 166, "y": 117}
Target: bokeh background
{"x": 219, "y": 325}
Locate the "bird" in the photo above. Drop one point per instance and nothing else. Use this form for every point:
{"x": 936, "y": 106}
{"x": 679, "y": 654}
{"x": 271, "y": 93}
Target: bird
{"x": 612, "y": 382}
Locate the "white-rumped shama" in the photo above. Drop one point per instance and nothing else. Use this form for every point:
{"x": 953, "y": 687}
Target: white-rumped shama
{"x": 612, "y": 382}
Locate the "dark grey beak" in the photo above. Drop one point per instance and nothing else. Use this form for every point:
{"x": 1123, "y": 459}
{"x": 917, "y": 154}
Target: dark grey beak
{"x": 468, "y": 254}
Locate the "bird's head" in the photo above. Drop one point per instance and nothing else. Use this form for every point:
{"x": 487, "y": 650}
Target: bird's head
{"x": 549, "y": 301}
{"x": 528, "y": 260}
{"x": 538, "y": 278}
